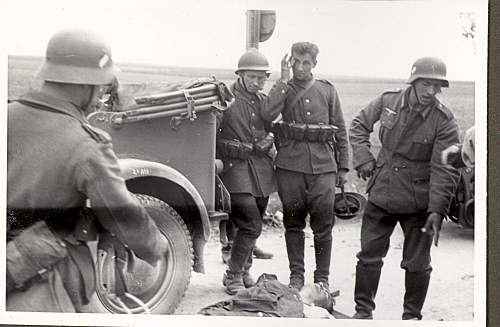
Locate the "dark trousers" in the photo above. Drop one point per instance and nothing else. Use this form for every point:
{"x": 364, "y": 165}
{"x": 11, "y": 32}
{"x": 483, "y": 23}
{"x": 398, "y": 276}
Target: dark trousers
{"x": 376, "y": 229}
{"x": 246, "y": 215}
{"x": 303, "y": 194}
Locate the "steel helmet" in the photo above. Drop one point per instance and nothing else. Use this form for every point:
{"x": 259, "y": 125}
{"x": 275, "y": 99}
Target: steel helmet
{"x": 252, "y": 59}
{"x": 429, "y": 67}
{"x": 353, "y": 205}
{"x": 78, "y": 57}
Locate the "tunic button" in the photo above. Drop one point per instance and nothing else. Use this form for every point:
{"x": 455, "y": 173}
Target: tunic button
{"x": 252, "y": 101}
{"x": 396, "y": 168}
{"x": 253, "y": 127}
{"x": 253, "y": 114}
{"x": 308, "y": 113}
{"x": 282, "y": 91}
{"x": 84, "y": 231}
{"x": 255, "y": 139}
{"x": 230, "y": 164}
{"x": 307, "y": 100}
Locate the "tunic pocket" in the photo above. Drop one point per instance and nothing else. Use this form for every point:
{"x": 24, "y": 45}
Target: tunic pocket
{"x": 421, "y": 148}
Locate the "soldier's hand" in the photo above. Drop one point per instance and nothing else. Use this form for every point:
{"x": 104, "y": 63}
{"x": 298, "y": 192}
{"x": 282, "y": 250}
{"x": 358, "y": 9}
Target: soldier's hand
{"x": 433, "y": 226}
{"x": 341, "y": 177}
{"x": 449, "y": 154}
{"x": 286, "y": 65}
{"x": 365, "y": 171}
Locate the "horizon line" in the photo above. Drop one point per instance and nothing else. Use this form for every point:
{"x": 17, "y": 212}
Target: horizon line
{"x": 231, "y": 71}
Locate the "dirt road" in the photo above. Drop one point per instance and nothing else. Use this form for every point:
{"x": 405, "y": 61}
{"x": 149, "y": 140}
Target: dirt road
{"x": 450, "y": 297}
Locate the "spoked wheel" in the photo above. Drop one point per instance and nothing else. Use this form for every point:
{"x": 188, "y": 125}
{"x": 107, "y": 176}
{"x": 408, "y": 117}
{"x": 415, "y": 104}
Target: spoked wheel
{"x": 151, "y": 289}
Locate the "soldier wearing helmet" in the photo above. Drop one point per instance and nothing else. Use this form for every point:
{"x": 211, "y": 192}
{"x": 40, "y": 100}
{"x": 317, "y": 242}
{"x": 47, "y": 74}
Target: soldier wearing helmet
{"x": 407, "y": 182}
{"x": 244, "y": 143}
{"x": 56, "y": 163}
{"x": 312, "y": 158}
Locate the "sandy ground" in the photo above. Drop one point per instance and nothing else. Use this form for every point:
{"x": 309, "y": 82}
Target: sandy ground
{"x": 450, "y": 297}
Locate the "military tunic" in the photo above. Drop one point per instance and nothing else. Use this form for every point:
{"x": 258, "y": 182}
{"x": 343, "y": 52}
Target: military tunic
{"x": 242, "y": 121}
{"x": 319, "y": 104}
{"x": 409, "y": 176}
{"x": 56, "y": 161}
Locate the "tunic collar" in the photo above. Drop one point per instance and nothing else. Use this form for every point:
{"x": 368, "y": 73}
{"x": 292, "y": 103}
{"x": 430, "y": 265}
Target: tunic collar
{"x": 49, "y": 100}
{"x": 301, "y": 83}
{"x": 420, "y": 109}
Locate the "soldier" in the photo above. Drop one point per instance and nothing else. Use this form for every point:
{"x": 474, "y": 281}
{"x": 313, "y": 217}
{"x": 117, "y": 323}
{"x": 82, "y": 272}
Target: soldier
{"x": 312, "y": 159}
{"x": 244, "y": 144}
{"x": 408, "y": 183}
{"x": 56, "y": 161}
{"x": 461, "y": 155}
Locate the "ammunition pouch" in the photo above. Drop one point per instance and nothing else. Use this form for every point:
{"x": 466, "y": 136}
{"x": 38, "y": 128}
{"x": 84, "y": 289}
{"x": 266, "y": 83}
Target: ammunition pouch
{"x": 264, "y": 145}
{"x": 305, "y": 132}
{"x": 234, "y": 149}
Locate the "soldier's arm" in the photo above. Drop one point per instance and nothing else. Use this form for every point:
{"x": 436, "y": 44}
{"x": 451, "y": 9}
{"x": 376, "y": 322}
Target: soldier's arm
{"x": 274, "y": 103}
{"x": 98, "y": 177}
{"x": 443, "y": 178}
{"x": 337, "y": 119}
{"x": 360, "y": 130}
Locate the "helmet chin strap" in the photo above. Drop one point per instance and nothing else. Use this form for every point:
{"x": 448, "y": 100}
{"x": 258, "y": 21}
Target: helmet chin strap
{"x": 87, "y": 109}
{"x": 415, "y": 92}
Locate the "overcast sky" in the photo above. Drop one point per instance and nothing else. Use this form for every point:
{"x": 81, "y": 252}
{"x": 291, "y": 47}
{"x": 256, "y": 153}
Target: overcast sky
{"x": 356, "y": 38}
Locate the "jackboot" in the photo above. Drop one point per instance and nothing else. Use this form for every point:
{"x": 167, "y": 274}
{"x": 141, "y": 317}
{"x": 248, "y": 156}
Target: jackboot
{"x": 295, "y": 242}
{"x": 323, "y": 254}
{"x": 233, "y": 282}
{"x": 416, "y": 285}
{"x": 365, "y": 290}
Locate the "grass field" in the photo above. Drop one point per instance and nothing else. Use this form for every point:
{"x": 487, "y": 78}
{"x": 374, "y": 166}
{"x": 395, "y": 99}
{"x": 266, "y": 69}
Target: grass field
{"x": 355, "y": 93}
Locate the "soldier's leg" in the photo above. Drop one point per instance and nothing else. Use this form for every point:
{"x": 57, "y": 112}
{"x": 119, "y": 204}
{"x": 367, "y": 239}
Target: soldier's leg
{"x": 248, "y": 281}
{"x": 248, "y": 223}
{"x": 320, "y": 200}
{"x": 226, "y": 236}
{"x": 292, "y": 192}
{"x": 258, "y": 252}
{"x": 417, "y": 265}
{"x": 376, "y": 229}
